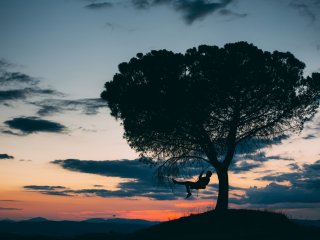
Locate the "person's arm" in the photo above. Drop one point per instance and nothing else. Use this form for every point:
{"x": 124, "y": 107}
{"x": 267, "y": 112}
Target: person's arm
{"x": 200, "y": 175}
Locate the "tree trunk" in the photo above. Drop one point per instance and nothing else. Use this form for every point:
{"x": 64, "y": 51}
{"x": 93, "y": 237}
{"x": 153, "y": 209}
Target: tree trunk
{"x": 223, "y": 197}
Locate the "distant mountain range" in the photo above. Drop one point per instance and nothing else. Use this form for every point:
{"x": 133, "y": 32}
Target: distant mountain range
{"x": 36, "y": 219}
{"x": 235, "y": 224}
{"x": 314, "y": 223}
{"x": 45, "y": 227}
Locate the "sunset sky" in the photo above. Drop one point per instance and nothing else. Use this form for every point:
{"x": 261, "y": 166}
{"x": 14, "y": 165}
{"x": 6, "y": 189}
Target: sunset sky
{"x": 60, "y": 149}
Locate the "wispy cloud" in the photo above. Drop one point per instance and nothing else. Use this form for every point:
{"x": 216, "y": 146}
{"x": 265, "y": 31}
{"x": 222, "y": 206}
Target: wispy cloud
{"x": 88, "y": 106}
{"x": 307, "y": 8}
{"x": 245, "y": 166}
{"x": 10, "y": 209}
{"x": 48, "y": 190}
{"x": 45, "y": 187}
{"x": 304, "y": 187}
{"x": 251, "y": 154}
{"x": 196, "y": 10}
{"x": 17, "y": 86}
{"x": 99, "y": 5}
{"x": 191, "y": 10}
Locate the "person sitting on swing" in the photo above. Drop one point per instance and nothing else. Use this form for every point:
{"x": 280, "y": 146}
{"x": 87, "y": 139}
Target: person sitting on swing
{"x": 201, "y": 183}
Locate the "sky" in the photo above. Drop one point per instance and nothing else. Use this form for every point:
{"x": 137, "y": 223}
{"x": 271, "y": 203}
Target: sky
{"x": 62, "y": 156}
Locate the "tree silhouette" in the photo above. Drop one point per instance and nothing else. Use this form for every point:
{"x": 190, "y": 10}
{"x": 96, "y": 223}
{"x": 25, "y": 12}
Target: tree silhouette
{"x": 199, "y": 106}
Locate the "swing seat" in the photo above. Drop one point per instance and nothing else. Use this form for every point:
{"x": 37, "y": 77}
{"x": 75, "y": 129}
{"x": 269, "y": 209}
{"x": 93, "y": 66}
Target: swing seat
{"x": 198, "y": 187}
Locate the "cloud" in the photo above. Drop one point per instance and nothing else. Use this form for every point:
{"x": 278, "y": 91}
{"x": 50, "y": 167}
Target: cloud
{"x": 19, "y": 86}
{"x": 254, "y": 145}
{"x": 191, "y": 10}
{"x": 98, "y": 186}
{"x": 4, "y": 64}
{"x": 233, "y": 15}
{"x": 101, "y": 5}
{"x": 137, "y": 178}
{"x": 303, "y": 174}
{"x": 114, "y": 26}
{"x": 294, "y": 166}
{"x": 56, "y": 193}
{"x": 12, "y": 95}
{"x": 196, "y": 10}
{"x": 143, "y": 4}
{"x": 244, "y": 166}
{"x": 89, "y": 106}
{"x": 137, "y": 181}
{"x": 8, "y": 78}
{"x": 132, "y": 191}
{"x": 48, "y": 190}
{"x": 276, "y": 193}
{"x": 22, "y": 94}
{"x": 9, "y": 209}
{"x": 261, "y": 157}
{"x": 249, "y": 154}
{"x": 131, "y": 169}
{"x": 16, "y": 86}
{"x": 36, "y": 187}
{"x": 304, "y": 187}
{"x": 29, "y": 125}
{"x": 5, "y": 156}
{"x": 307, "y": 8}
{"x": 310, "y": 136}
{"x": 312, "y": 128}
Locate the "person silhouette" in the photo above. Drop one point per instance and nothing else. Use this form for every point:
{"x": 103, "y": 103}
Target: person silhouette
{"x": 201, "y": 183}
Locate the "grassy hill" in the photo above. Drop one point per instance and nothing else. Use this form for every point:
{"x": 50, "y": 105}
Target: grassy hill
{"x": 233, "y": 224}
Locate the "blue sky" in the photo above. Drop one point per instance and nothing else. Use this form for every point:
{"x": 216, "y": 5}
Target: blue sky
{"x": 68, "y": 49}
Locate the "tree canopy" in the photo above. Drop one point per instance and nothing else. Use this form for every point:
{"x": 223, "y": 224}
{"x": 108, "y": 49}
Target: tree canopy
{"x": 200, "y": 105}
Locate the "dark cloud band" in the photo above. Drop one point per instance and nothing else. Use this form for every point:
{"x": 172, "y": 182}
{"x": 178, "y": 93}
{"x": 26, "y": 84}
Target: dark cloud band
{"x": 5, "y": 156}
{"x": 137, "y": 178}
{"x": 19, "y": 86}
{"x": 28, "y": 125}
{"x": 304, "y": 187}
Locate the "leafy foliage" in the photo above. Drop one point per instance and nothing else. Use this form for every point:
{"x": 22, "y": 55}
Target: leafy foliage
{"x": 205, "y": 105}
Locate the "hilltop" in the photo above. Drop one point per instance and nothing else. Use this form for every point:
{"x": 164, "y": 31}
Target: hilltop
{"x": 233, "y": 224}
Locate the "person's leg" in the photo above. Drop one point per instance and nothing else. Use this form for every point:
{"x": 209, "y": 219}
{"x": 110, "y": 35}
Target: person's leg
{"x": 181, "y": 182}
{"x": 188, "y": 184}
{"x": 188, "y": 190}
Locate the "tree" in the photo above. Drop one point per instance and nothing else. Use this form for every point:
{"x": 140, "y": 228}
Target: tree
{"x": 201, "y": 105}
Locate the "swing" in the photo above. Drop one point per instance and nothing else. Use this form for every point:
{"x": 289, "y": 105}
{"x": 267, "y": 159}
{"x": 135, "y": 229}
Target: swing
{"x": 201, "y": 183}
